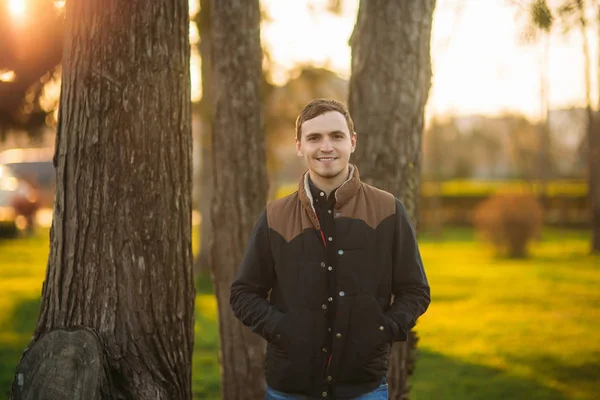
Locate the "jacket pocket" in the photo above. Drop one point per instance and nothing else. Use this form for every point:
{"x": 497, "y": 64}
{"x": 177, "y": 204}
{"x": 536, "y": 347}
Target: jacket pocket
{"x": 367, "y": 343}
{"x": 291, "y": 353}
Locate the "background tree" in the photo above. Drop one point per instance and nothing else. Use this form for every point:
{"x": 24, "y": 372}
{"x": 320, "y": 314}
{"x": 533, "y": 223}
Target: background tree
{"x": 205, "y": 109}
{"x": 541, "y": 29}
{"x": 203, "y": 20}
{"x": 389, "y": 86}
{"x": 116, "y": 318}
{"x": 240, "y": 181}
{"x": 593, "y": 128}
{"x": 573, "y": 14}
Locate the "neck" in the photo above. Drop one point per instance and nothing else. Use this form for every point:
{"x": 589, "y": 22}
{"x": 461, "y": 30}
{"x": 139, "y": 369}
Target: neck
{"x": 328, "y": 185}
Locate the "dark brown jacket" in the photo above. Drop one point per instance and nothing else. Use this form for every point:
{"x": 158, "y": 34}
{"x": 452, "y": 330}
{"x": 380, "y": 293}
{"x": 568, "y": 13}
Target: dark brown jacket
{"x": 330, "y": 308}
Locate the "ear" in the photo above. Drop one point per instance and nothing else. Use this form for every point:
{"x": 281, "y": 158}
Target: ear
{"x": 298, "y": 148}
{"x": 353, "y": 141}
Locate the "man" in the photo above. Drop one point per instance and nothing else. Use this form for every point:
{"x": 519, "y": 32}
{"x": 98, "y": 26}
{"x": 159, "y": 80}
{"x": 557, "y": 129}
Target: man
{"x": 320, "y": 270}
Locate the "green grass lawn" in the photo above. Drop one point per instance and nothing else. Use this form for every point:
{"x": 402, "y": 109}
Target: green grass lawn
{"x": 507, "y": 329}
{"x": 496, "y": 328}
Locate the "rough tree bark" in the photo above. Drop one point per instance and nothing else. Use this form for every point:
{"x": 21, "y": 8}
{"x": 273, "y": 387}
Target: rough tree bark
{"x": 389, "y": 86}
{"x": 116, "y": 320}
{"x": 240, "y": 181}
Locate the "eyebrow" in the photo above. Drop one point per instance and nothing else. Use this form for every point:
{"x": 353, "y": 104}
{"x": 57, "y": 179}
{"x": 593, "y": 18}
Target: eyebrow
{"x": 327, "y": 133}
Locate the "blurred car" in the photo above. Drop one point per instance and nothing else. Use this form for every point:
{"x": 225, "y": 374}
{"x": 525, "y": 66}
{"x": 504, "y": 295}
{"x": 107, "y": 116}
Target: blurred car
{"x": 18, "y": 204}
{"x": 35, "y": 167}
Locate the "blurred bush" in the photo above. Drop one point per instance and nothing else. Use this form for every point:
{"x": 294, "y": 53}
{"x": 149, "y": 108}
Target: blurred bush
{"x": 509, "y": 222}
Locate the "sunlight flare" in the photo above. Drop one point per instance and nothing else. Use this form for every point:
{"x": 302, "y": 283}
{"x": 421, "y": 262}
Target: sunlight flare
{"x": 7, "y": 76}
{"x": 17, "y": 8}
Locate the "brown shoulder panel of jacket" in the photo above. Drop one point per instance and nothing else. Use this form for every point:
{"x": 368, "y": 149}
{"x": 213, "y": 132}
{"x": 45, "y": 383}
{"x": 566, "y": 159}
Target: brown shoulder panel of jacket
{"x": 287, "y": 217}
{"x": 370, "y": 204}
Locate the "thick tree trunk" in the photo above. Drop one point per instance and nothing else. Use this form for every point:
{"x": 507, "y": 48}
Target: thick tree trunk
{"x": 240, "y": 181}
{"x": 201, "y": 264}
{"x": 391, "y": 77}
{"x": 116, "y": 320}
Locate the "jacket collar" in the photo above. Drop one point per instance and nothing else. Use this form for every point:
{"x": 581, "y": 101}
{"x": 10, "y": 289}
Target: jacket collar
{"x": 343, "y": 193}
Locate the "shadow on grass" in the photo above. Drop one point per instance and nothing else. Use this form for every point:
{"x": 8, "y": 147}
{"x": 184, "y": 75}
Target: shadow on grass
{"x": 19, "y": 326}
{"x": 204, "y": 284}
{"x": 440, "y": 377}
{"x": 582, "y": 372}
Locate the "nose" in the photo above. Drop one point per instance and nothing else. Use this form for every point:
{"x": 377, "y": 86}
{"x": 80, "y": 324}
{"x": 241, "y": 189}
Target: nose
{"x": 326, "y": 145}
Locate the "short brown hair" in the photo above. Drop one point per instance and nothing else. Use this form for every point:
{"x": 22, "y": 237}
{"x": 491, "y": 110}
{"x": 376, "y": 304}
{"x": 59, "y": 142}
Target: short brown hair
{"x": 321, "y": 106}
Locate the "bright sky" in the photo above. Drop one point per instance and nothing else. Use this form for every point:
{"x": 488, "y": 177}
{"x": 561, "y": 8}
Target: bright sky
{"x": 480, "y": 64}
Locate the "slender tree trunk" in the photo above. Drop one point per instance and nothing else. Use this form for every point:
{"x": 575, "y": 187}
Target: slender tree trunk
{"x": 201, "y": 264}
{"x": 594, "y": 185}
{"x": 240, "y": 182}
{"x": 391, "y": 77}
{"x": 593, "y": 132}
{"x": 436, "y": 201}
{"x": 116, "y": 320}
{"x": 544, "y": 169}
{"x": 594, "y": 168}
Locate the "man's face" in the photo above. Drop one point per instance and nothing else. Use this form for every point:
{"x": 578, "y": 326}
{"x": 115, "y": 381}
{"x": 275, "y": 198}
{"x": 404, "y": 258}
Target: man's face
{"x": 326, "y": 144}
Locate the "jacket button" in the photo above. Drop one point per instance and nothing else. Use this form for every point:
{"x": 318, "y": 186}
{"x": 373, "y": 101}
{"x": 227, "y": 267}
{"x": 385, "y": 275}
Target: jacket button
{"x": 329, "y": 211}
{"x": 329, "y": 378}
{"x": 340, "y": 252}
{"x": 338, "y": 335}
{"x": 324, "y": 349}
{"x": 381, "y": 328}
{"x": 324, "y": 394}
{"x": 323, "y": 264}
{"x": 342, "y": 294}
{"x": 330, "y": 238}
{"x": 330, "y": 299}
{"x": 330, "y": 268}
{"x": 324, "y": 306}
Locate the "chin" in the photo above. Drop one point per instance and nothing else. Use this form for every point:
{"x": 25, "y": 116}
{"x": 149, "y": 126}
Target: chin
{"x": 328, "y": 173}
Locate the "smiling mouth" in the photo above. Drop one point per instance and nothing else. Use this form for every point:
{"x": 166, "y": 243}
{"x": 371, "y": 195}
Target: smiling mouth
{"x": 326, "y": 159}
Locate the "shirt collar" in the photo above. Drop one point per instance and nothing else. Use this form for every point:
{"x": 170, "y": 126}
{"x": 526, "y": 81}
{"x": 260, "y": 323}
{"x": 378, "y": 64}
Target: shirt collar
{"x": 342, "y": 194}
{"x": 318, "y": 195}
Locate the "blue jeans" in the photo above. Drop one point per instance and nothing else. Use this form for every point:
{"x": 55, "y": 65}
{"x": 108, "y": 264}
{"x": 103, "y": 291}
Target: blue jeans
{"x": 381, "y": 393}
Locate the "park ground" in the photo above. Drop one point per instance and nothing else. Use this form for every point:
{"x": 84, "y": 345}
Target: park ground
{"x": 496, "y": 329}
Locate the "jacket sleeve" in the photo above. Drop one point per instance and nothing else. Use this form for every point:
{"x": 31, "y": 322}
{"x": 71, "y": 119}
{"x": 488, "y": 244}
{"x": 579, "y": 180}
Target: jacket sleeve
{"x": 254, "y": 280}
{"x": 409, "y": 282}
